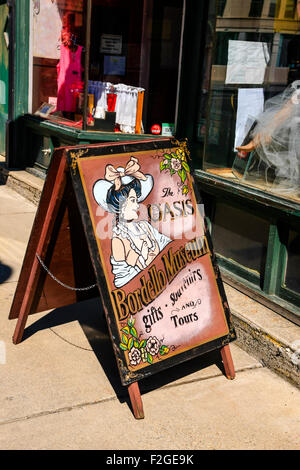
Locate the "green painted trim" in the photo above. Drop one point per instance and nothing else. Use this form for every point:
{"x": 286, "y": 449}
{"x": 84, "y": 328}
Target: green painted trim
{"x": 284, "y": 291}
{"x": 18, "y": 79}
{"x": 4, "y": 75}
{"x": 48, "y": 127}
{"x": 279, "y": 305}
{"x": 21, "y": 51}
{"x": 112, "y": 136}
{"x": 243, "y": 272}
{"x": 3, "y": 121}
{"x": 86, "y": 137}
{"x": 283, "y": 255}
{"x": 270, "y": 204}
{"x": 32, "y": 128}
{"x": 272, "y": 267}
{"x": 290, "y": 296}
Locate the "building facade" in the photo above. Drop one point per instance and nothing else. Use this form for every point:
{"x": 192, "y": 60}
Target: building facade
{"x": 87, "y": 71}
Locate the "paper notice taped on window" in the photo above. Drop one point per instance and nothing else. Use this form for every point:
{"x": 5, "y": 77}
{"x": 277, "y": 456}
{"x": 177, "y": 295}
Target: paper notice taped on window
{"x": 247, "y": 62}
{"x": 250, "y": 105}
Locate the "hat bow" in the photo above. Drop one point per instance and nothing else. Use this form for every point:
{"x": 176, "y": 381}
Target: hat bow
{"x": 132, "y": 169}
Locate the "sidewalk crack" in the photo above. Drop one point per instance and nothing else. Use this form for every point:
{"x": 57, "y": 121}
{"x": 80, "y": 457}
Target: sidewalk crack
{"x": 58, "y": 410}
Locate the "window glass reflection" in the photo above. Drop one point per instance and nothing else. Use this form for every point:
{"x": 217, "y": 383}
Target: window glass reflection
{"x": 240, "y": 237}
{"x": 251, "y": 126}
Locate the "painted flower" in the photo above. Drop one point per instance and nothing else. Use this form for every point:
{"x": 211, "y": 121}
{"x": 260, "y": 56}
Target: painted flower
{"x": 175, "y": 164}
{"x": 135, "y": 356}
{"x": 153, "y": 345}
{"x": 166, "y": 162}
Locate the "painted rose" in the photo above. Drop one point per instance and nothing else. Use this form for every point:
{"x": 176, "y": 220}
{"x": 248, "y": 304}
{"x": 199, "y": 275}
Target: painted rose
{"x": 175, "y": 164}
{"x": 135, "y": 356}
{"x": 153, "y": 345}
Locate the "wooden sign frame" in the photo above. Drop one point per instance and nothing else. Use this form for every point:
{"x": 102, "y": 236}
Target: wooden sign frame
{"x": 52, "y": 239}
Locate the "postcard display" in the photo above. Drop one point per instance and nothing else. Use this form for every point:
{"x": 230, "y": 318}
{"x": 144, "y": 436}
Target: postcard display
{"x": 127, "y": 219}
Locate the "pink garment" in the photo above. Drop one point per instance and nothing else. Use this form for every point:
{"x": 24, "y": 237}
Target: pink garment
{"x": 69, "y": 71}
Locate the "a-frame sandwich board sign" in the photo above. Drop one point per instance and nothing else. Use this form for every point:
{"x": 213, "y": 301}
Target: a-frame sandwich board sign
{"x": 128, "y": 218}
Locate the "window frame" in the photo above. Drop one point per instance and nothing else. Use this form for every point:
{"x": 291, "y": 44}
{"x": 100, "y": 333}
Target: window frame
{"x": 282, "y": 216}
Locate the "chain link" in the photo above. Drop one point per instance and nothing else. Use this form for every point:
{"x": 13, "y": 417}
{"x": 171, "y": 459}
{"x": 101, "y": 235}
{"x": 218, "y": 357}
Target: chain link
{"x": 61, "y": 283}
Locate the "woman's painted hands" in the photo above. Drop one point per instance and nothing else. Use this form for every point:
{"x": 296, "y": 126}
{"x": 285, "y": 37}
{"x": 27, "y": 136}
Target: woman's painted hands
{"x": 145, "y": 250}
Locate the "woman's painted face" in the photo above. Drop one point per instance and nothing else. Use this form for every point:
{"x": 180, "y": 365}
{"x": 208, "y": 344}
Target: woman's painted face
{"x": 130, "y": 207}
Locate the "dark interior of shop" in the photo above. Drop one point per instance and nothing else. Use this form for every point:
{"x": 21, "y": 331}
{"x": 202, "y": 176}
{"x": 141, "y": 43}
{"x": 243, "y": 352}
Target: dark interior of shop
{"x": 147, "y": 53}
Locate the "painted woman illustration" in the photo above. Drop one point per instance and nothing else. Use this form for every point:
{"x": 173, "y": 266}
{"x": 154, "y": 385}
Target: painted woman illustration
{"x": 135, "y": 243}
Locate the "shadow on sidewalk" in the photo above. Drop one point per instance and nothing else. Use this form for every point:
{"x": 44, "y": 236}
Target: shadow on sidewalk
{"x": 5, "y": 272}
{"x": 91, "y": 317}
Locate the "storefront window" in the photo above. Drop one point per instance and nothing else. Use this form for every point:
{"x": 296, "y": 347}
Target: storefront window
{"x": 57, "y": 58}
{"x": 250, "y": 127}
{"x": 241, "y": 236}
{"x": 133, "y": 50}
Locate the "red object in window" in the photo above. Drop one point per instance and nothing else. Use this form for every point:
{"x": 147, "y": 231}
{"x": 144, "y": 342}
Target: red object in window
{"x": 242, "y": 154}
{"x": 77, "y": 88}
{"x": 155, "y": 129}
{"x": 111, "y": 102}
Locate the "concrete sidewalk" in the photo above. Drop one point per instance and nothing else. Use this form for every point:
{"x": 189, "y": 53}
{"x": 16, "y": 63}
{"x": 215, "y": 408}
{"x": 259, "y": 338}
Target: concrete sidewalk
{"x": 60, "y": 387}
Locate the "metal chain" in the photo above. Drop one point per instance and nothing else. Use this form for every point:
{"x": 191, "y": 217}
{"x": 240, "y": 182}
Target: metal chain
{"x": 61, "y": 283}
{"x": 69, "y": 342}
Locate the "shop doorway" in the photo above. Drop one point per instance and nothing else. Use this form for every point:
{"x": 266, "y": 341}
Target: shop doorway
{"x": 137, "y": 43}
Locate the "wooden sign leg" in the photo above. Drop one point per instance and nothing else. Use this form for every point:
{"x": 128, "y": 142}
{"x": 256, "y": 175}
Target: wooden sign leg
{"x": 45, "y": 218}
{"x": 227, "y": 362}
{"x": 136, "y": 400}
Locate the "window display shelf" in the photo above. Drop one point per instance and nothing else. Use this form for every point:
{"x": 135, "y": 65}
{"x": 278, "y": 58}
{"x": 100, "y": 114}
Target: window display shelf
{"x": 216, "y": 184}
{"x": 72, "y": 131}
